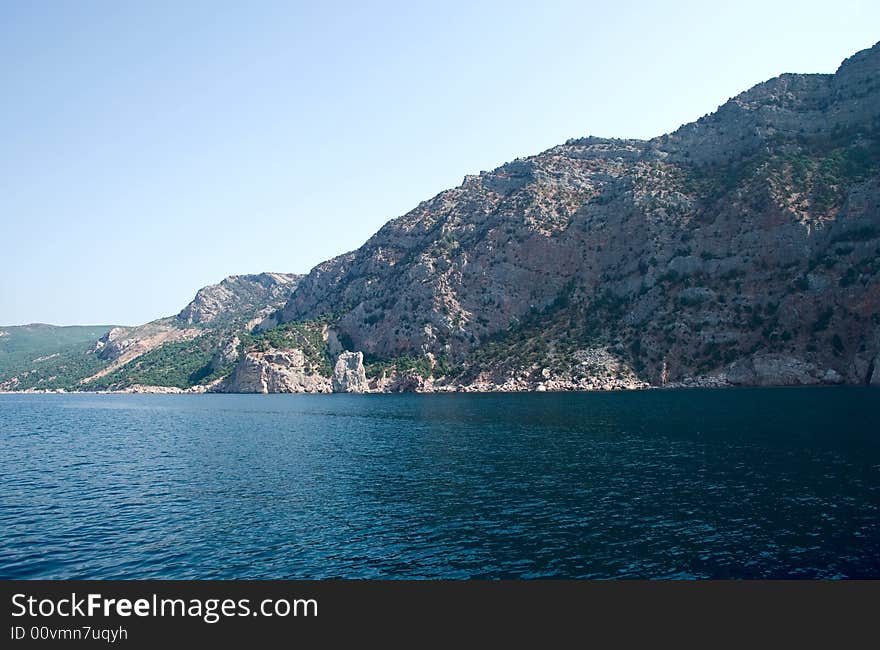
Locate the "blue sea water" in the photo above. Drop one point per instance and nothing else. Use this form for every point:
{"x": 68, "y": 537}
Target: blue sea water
{"x": 745, "y": 483}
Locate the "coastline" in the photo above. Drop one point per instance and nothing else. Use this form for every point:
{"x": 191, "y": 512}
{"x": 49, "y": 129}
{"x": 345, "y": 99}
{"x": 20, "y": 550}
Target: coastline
{"x": 445, "y": 389}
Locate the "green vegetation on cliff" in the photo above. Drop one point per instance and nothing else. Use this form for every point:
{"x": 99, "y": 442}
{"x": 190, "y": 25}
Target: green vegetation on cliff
{"x": 180, "y": 365}
{"x": 307, "y": 336}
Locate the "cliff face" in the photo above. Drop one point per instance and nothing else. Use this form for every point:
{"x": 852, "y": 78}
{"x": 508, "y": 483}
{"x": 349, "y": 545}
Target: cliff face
{"x": 288, "y": 371}
{"x": 274, "y": 372}
{"x": 742, "y": 248}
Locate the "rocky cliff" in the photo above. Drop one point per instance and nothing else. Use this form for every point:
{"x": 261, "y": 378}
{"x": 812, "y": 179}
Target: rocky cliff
{"x": 239, "y": 296}
{"x": 275, "y": 371}
{"x": 289, "y": 371}
{"x": 349, "y": 375}
{"x": 741, "y": 249}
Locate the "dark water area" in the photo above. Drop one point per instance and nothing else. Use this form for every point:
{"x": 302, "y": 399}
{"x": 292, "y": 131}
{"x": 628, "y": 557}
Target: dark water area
{"x": 745, "y": 483}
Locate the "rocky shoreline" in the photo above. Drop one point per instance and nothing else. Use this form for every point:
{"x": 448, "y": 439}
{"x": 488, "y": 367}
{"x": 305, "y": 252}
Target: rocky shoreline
{"x": 446, "y": 389}
{"x": 323, "y": 386}
{"x": 288, "y": 371}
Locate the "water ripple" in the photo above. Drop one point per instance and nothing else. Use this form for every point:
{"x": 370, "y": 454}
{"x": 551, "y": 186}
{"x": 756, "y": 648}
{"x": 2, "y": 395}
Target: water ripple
{"x": 764, "y": 483}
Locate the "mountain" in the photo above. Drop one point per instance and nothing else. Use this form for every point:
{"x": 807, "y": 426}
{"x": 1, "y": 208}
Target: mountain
{"x": 32, "y": 348}
{"x": 743, "y": 248}
{"x": 242, "y": 297}
{"x": 193, "y": 348}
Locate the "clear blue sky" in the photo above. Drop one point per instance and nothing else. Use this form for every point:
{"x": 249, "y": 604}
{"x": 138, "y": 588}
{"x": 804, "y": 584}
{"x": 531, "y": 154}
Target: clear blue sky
{"x": 150, "y": 148}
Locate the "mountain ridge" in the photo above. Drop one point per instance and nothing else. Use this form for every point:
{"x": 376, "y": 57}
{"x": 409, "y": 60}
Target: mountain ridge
{"x": 804, "y": 145}
{"x": 174, "y": 352}
{"x": 741, "y": 248}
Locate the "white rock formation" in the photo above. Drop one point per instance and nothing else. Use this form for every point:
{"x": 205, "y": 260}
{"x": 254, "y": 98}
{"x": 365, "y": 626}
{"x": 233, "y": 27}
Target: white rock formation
{"x": 349, "y": 375}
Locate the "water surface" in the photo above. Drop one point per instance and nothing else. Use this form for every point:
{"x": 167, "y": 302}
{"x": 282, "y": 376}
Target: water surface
{"x": 742, "y": 483}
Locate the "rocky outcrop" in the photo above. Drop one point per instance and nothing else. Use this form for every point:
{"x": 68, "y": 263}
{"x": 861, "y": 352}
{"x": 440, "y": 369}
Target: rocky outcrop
{"x": 113, "y": 343}
{"x": 779, "y": 370}
{"x": 348, "y": 373}
{"x": 239, "y": 296}
{"x": 287, "y": 371}
{"x": 276, "y": 371}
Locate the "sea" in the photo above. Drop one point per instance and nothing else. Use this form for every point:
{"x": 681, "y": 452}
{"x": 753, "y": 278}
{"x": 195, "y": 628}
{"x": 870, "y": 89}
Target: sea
{"x": 661, "y": 484}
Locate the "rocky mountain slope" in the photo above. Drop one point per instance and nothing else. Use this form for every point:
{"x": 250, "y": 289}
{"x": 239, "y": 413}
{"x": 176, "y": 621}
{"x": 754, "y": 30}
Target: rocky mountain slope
{"x": 239, "y": 297}
{"x": 194, "y": 348}
{"x": 743, "y": 248}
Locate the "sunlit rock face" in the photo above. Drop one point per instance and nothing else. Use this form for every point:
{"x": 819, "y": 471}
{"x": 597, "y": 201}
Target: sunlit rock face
{"x": 744, "y": 244}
